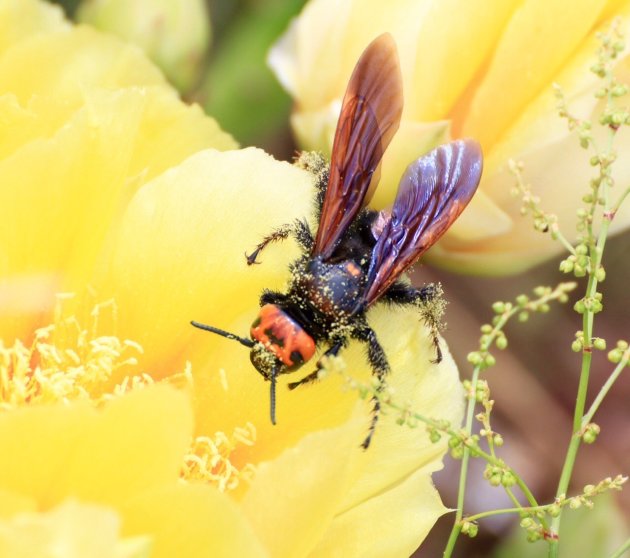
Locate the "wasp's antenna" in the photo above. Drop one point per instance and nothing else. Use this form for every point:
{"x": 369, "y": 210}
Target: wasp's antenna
{"x": 272, "y": 395}
{"x": 242, "y": 340}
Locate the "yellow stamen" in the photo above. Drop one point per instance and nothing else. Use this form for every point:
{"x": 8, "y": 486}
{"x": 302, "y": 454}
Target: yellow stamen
{"x": 209, "y": 459}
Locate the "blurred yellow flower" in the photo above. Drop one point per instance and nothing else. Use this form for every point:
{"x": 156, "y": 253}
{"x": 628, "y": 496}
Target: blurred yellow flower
{"x": 113, "y": 409}
{"x": 175, "y": 34}
{"x": 470, "y": 70}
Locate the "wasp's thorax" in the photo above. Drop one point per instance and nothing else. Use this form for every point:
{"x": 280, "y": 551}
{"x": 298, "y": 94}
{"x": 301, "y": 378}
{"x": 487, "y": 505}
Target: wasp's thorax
{"x": 281, "y": 341}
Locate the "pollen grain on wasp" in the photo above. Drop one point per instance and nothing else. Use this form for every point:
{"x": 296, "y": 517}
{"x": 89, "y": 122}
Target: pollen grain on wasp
{"x": 356, "y": 256}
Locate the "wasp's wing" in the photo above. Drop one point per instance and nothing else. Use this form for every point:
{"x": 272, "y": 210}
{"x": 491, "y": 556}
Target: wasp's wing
{"x": 370, "y": 115}
{"x": 434, "y": 190}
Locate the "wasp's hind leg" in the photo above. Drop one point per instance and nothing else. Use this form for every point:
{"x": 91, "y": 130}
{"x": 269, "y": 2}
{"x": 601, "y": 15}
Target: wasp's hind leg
{"x": 428, "y": 300}
{"x": 314, "y": 376}
{"x": 380, "y": 368}
{"x": 299, "y": 230}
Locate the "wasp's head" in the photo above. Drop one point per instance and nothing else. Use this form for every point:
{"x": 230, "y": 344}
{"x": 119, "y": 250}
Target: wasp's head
{"x": 266, "y": 362}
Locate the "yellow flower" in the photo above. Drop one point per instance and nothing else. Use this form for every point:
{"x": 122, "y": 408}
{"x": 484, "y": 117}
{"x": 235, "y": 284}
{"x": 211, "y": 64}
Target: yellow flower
{"x": 175, "y": 34}
{"x": 114, "y": 411}
{"x": 469, "y": 71}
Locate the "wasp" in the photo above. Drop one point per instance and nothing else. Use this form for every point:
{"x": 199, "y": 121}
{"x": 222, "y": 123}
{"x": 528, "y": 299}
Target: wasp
{"x": 357, "y": 256}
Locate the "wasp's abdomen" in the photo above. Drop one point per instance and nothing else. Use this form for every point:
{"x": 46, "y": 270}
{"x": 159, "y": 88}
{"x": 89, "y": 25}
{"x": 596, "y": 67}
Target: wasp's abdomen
{"x": 282, "y": 336}
{"x": 332, "y": 289}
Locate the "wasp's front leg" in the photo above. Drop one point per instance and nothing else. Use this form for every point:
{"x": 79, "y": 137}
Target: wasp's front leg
{"x": 299, "y": 230}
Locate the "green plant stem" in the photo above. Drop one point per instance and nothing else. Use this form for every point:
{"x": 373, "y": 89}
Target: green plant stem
{"x": 503, "y": 511}
{"x": 621, "y": 550}
{"x": 463, "y": 472}
{"x": 580, "y": 403}
{"x": 604, "y": 391}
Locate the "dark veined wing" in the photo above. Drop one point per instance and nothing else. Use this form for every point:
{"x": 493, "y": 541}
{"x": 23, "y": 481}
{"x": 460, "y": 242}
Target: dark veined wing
{"x": 434, "y": 190}
{"x": 370, "y": 115}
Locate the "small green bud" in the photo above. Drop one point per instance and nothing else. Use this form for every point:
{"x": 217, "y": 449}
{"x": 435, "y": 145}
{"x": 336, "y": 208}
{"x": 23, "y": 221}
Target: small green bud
{"x": 541, "y": 290}
{"x": 508, "y": 479}
{"x": 581, "y": 249}
{"x": 523, "y": 316}
{"x": 501, "y": 342}
{"x": 498, "y": 307}
{"x": 566, "y": 266}
{"x": 615, "y": 356}
{"x": 621, "y": 344}
{"x": 486, "y": 328}
{"x": 498, "y": 440}
{"x": 590, "y": 433}
{"x": 579, "y": 271}
{"x": 600, "y": 274}
{"x": 458, "y": 452}
{"x": 554, "y": 510}
{"x": 534, "y": 536}
{"x": 579, "y": 307}
{"x": 435, "y": 436}
{"x": 474, "y": 358}
{"x": 582, "y": 261}
{"x": 495, "y": 479}
{"x": 527, "y": 523}
{"x": 454, "y": 442}
{"x": 489, "y": 360}
{"x": 599, "y": 344}
{"x": 575, "y": 503}
{"x": 522, "y": 300}
{"x": 576, "y": 346}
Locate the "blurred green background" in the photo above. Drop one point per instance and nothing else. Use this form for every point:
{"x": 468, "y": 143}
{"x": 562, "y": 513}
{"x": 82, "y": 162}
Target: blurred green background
{"x": 535, "y": 379}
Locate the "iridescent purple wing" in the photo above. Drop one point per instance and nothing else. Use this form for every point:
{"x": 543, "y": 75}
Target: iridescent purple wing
{"x": 370, "y": 116}
{"x": 434, "y": 190}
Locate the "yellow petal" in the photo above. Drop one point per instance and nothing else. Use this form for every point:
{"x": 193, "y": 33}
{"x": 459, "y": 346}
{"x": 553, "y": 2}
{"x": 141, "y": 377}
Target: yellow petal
{"x": 393, "y": 523}
{"x": 79, "y": 529}
{"x": 191, "y": 521}
{"x": 12, "y": 503}
{"x": 137, "y": 442}
{"x": 21, "y": 18}
{"x": 538, "y": 39}
{"x": 294, "y": 497}
{"x": 553, "y": 164}
{"x": 190, "y": 228}
{"x": 73, "y": 152}
{"x": 433, "y": 390}
{"x": 445, "y": 66}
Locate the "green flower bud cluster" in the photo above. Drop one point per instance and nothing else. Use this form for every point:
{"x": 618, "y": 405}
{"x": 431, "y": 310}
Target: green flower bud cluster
{"x": 619, "y": 353}
{"x": 469, "y": 528}
{"x": 589, "y": 303}
{"x": 499, "y": 476}
{"x": 534, "y": 530}
{"x": 590, "y": 433}
{"x": 578, "y": 344}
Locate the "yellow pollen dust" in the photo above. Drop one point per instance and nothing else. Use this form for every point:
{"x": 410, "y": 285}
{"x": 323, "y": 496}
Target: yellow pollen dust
{"x": 209, "y": 459}
{"x": 64, "y": 362}
{"x": 68, "y": 362}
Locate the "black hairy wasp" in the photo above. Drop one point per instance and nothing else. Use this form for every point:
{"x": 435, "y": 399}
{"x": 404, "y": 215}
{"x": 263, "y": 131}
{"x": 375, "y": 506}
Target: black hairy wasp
{"x": 358, "y": 255}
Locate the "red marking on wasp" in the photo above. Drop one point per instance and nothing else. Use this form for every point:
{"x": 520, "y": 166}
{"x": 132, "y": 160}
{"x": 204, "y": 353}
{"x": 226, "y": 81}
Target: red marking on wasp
{"x": 282, "y": 336}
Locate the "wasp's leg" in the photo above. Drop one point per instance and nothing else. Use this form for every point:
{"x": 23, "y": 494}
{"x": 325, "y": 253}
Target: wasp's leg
{"x": 428, "y": 300}
{"x": 314, "y": 376}
{"x": 380, "y": 368}
{"x": 299, "y": 230}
